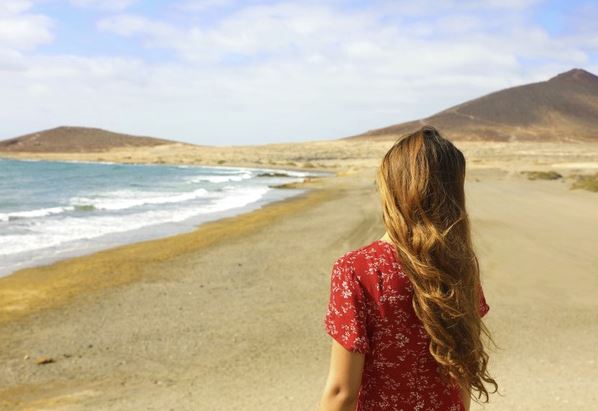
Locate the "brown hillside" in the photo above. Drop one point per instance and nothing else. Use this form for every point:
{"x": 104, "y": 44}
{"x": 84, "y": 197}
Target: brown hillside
{"x": 76, "y": 140}
{"x": 564, "y": 108}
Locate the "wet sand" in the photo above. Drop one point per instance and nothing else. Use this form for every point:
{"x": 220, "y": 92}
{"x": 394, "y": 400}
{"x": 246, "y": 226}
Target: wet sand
{"x": 229, "y": 317}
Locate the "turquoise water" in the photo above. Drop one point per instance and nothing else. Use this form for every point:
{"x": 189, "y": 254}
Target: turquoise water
{"x": 53, "y": 209}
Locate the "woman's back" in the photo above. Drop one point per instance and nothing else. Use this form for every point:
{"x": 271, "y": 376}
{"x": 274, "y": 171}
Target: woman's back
{"x": 370, "y": 311}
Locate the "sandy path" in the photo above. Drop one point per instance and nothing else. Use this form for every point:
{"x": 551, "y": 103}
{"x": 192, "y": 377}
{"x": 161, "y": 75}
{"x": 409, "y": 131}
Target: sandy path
{"x": 237, "y": 325}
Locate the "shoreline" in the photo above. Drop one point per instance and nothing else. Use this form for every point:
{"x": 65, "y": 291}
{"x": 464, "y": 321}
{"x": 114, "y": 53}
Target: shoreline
{"x": 47, "y": 286}
{"x": 163, "y": 228}
{"x": 252, "y": 165}
{"x": 153, "y": 162}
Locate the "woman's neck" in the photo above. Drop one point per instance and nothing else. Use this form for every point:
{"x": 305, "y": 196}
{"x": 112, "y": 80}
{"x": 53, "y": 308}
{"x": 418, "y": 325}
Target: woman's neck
{"x": 386, "y": 238}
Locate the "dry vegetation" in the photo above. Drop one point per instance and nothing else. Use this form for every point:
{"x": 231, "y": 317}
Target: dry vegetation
{"x": 586, "y": 182}
{"x": 542, "y": 175}
{"x": 343, "y": 155}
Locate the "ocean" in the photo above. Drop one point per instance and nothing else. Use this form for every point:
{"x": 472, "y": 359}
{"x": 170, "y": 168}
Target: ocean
{"x": 50, "y": 210}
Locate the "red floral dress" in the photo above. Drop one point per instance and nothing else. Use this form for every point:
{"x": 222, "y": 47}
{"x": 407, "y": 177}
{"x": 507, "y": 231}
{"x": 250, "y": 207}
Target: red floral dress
{"x": 370, "y": 312}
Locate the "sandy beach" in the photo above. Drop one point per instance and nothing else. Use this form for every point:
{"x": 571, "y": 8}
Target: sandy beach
{"x": 229, "y": 317}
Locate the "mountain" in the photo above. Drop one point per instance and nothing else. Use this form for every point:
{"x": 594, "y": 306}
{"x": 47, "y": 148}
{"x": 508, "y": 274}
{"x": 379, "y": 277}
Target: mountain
{"x": 564, "y": 108}
{"x": 76, "y": 140}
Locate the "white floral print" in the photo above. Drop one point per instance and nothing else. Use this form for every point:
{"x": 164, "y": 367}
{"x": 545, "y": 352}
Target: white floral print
{"x": 370, "y": 312}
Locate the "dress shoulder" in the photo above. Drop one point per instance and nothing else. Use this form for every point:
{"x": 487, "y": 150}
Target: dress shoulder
{"x": 362, "y": 255}
{"x": 367, "y": 258}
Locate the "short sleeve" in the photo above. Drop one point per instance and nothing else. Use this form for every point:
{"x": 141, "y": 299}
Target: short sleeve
{"x": 345, "y": 319}
{"x": 484, "y": 307}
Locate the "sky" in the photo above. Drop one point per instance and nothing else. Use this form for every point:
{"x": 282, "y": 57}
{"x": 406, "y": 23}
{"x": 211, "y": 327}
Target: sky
{"x": 227, "y": 72}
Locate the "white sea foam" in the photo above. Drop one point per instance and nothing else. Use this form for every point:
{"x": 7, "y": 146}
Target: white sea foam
{"x": 41, "y": 212}
{"x": 235, "y": 199}
{"x": 290, "y": 173}
{"x": 87, "y": 162}
{"x": 217, "y": 178}
{"x": 30, "y": 160}
{"x": 53, "y": 233}
{"x": 115, "y": 200}
{"x": 101, "y": 206}
{"x": 123, "y": 199}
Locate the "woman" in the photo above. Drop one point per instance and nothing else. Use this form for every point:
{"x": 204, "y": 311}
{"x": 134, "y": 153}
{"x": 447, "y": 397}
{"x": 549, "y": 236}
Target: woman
{"x": 405, "y": 311}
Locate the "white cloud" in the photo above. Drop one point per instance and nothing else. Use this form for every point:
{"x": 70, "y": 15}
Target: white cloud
{"x": 24, "y": 31}
{"x": 20, "y": 30}
{"x": 351, "y": 41}
{"x": 287, "y": 71}
{"x": 509, "y": 4}
{"x": 433, "y": 7}
{"x": 10, "y": 7}
{"x": 202, "y": 5}
{"x": 104, "y": 4}
{"x": 11, "y": 60}
{"x": 129, "y": 24}
{"x": 460, "y": 23}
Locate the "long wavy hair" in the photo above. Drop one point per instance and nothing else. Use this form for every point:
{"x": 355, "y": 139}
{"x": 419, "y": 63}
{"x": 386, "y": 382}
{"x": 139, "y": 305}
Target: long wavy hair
{"x": 421, "y": 184}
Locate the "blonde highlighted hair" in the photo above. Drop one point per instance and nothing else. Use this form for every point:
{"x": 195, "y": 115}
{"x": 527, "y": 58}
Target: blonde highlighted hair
{"x": 421, "y": 184}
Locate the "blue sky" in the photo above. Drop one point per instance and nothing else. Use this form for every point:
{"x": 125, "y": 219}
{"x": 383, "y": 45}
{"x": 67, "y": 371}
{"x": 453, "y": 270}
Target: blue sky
{"x": 226, "y": 72}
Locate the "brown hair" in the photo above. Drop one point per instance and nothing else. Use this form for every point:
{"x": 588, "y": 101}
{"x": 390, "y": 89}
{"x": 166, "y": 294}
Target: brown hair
{"x": 421, "y": 183}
